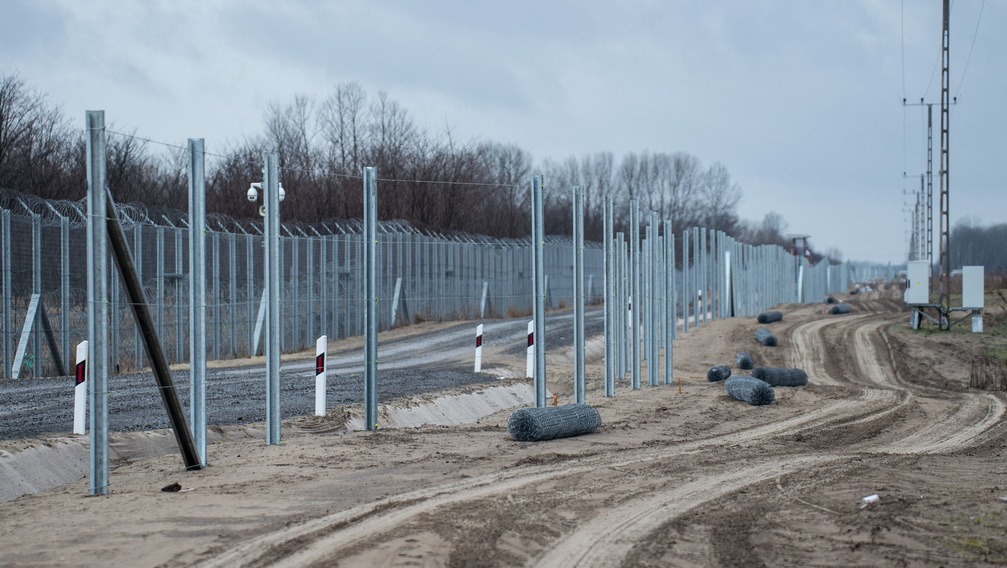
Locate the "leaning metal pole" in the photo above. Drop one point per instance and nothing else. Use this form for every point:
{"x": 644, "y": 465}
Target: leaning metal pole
{"x": 97, "y": 301}
{"x": 538, "y": 277}
{"x": 370, "y": 299}
{"x": 151, "y": 343}
{"x": 197, "y": 295}
{"x": 271, "y": 185}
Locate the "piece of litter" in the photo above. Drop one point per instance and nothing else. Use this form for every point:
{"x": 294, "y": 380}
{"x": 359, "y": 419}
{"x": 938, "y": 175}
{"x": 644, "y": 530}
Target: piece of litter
{"x": 186, "y": 489}
{"x": 1002, "y": 497}
{"x": 868, "y": 500}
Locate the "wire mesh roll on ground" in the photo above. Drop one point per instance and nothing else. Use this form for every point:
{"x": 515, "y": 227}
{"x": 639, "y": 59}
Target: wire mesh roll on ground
{"x": 718, "y": 373}
{"x": 840, "y": 309}
{"x": 780, "y": 377}
{"x": 749, "y": 389}
{"x": 769, "y": 317}
{"x": 744, "y": 360}
{"x": 765, "y": 337}
{"x": 550, "y": 422}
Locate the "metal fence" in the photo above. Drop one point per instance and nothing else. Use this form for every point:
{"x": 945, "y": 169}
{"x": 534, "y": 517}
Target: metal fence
{"x": 421, "y": 276}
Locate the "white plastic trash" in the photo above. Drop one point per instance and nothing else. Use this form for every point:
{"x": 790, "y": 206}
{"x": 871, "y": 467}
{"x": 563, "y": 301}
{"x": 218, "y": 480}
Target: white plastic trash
{"x": 868, "y": 500}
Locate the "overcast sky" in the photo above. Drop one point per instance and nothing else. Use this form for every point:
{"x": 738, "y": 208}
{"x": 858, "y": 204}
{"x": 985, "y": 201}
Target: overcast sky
{"x": 801, "y": 100}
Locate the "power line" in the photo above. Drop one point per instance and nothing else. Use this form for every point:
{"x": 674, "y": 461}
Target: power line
{"x": 974, "y": 35}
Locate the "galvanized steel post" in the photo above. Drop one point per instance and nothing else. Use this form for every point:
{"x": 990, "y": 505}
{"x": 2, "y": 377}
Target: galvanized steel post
{"x": 271, "y": 185}
{"x": 610, "y": 299}
{"x": 539, "y": 289}
{"x": 579, "y": 381}
{"x": 197, "y": 296}
{"x": 370, "y": 299}
{"x": 634, "y": 275}
{"x": 97, "y": 301}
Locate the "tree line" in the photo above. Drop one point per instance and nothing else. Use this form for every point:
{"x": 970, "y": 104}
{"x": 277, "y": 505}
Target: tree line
{"x": 431, "y": 179}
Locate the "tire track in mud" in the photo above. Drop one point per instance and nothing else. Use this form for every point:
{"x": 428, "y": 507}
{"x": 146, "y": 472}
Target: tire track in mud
{"x": 325, "y": 536}
{"x": 607, "y": 539}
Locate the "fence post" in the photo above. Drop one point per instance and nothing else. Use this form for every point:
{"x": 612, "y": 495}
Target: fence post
{"x": 634, "y": 276}
{"x": 271, "y": 184}
{"x": 370, "y": 299}
{"x": 138, "y": 263}
{"x": 539, "y": 285}
{"x": 197, "y": 295}
{"x": 5, "y": 251}
{"x": 579, "y": 382}
{"x": 64, "y": 247}
{"x": 610, "y": 299}
{"x": 36, "y": 289}
{"x": 97, "y": 295}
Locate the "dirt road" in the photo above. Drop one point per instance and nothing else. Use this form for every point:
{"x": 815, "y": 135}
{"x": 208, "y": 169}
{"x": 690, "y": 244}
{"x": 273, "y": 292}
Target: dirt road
{"x": 671, "y": 479}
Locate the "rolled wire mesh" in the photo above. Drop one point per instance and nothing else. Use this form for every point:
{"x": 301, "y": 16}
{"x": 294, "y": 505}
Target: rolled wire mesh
{"x": 749, "y": 389}
{"x": 744, "y": 360}
{"x": 765, "y": 337}
{"x": 769, "y": 317}
{"x": 718, "y": 373}
{"x": 550, "y": 422}
{"x": 781, "y": 377}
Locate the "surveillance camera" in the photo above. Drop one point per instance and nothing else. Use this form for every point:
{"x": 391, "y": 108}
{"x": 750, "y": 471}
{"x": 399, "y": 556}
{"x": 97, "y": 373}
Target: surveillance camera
{"x": 253, "y": 192}
{"x": 282, "y": 193}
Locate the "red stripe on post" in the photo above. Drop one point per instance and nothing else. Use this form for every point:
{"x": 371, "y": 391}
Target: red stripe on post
{"x": 531, "y": 339}
{"x": 479, "y": 341}
{"x": 81, "y": 373}
{"x": 320, "y": 364}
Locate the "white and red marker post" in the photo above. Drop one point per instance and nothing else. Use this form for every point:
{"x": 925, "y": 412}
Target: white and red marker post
{"x": 530, "y": 368}
{"x": 479, "y": 348}
{"x": 321, "y": 365}
{"x": 80, "y": 390}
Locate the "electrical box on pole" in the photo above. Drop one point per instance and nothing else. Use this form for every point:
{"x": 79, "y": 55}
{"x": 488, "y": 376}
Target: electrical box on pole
{"x": 917, "y": 282}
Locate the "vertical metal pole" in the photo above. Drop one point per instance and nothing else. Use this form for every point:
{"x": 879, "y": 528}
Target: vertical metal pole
{"x": 538, "y": 276}
{"x": 36, "y": 288}
{"x": 64, "y": 247}
{"x": 138, "y": 263}
{"x": 7, "y": 306}
{"x": 653, "y": 313}
{"x": 250, "y": 244}
{"x": 197, "y": 295}
{"x": 686, "y": 281}
{"x": 215, "y": 296}
{"x": 160, "y": 283}
{"x": 232, "y": 288}
{"x": 610, "y": 299}
{"x": 634, "y": 275}
{"x": 97, "y": 301}
{"x": 179, "y": 350}
{"x": 271, "y": 185}
{"x": 579, "y": 378}
{"x": 669, "y": 309}
{"x": 370, "y": 299}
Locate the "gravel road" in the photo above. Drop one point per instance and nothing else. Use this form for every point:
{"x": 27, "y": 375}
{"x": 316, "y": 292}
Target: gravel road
{"x": 407, "y": 365}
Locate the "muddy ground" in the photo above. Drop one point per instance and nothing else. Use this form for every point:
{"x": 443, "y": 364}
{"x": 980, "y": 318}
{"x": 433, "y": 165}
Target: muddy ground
{"x": 690, "y": 478}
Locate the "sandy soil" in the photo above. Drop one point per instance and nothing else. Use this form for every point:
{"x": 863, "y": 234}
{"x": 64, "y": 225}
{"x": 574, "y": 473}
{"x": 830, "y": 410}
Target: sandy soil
{"x": 690, "y": 478}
